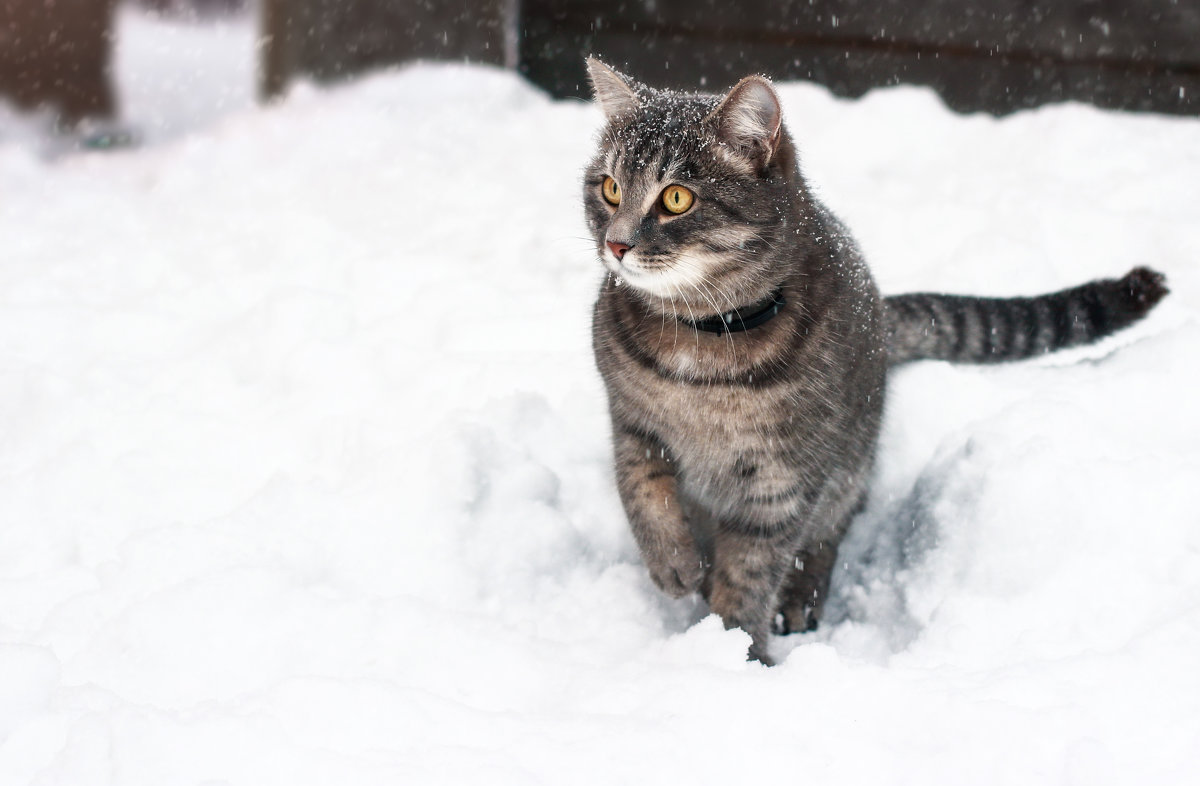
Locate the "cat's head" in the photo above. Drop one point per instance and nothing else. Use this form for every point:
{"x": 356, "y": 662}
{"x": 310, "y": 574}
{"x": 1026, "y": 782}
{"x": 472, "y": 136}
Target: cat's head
{"x": 692, "y": 198}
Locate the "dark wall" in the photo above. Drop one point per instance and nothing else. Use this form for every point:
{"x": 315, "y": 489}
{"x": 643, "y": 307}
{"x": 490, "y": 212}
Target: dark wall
{"x": 331, "y": 39}
{"x": 993, "y": 55}
{"x": 58, "y": 54}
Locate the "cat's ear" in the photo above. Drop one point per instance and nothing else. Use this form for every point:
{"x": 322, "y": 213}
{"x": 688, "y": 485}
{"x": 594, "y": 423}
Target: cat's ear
{"x": 613, "y": 90}
{"x": 749, "y": 120}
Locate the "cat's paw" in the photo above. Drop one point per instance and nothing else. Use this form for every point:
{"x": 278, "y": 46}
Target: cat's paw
{"x": 795, "y": 619}
{"x": 678, "y": 570}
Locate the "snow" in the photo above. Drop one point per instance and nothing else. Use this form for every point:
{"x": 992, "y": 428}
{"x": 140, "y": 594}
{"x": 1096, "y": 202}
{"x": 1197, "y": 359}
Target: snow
{"x": 304, "y": 466}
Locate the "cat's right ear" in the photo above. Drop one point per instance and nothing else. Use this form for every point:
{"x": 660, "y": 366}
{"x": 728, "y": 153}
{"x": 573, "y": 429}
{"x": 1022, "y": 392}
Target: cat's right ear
{"x": 613, "y": 90}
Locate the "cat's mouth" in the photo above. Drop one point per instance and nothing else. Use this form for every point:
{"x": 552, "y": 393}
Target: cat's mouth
{"x": 638, "y": 277}
{"x": 668, "y": 279}
{"x": 619, "y": 267}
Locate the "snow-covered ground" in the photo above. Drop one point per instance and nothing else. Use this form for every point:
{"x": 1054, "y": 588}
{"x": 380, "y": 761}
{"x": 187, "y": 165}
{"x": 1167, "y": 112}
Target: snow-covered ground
{"x": 304, "y": 465}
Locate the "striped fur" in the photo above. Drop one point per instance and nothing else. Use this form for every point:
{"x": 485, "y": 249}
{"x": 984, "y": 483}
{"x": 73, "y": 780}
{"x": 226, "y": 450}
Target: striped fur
{"x": 742, "y": 457}
{"x": 966, "y": 329}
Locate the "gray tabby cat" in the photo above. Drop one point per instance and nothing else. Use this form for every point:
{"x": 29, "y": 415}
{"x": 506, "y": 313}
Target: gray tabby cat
{"x": 745, "y": 347}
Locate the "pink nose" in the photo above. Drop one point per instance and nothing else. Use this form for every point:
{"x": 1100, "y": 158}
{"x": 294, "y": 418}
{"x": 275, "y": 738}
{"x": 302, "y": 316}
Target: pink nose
{"x": 618, "y": 249}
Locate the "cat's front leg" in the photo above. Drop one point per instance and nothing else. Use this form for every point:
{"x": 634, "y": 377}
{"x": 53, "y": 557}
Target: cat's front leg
{"x": 649, "y": 491}
{"x": 750, "y": 566}
{"x": 807, "y": 587}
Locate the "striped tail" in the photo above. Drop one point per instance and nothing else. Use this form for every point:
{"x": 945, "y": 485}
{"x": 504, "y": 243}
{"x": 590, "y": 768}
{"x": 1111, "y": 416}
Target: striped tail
{"x": 967, "y": 329}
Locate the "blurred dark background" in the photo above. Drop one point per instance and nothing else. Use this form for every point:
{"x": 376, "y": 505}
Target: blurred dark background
{"x": 979, "y": 55}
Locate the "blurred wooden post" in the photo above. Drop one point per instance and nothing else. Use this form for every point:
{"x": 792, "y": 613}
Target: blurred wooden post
{"x": 275, "y": 62}
{"x": 329, "y": 40}
{"x": 58, "y": 54}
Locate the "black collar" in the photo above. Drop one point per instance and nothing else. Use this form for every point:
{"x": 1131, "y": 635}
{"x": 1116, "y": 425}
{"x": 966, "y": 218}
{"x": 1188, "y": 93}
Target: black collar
{"x": 740, "y": 319}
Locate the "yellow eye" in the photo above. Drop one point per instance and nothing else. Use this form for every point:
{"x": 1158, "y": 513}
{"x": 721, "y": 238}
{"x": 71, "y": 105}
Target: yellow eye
{"x": 677, "y": 199}
{"x": 611, "y": 191}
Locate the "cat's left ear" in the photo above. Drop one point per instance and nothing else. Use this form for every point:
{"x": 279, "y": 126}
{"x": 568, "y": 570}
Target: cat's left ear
{"x": 749, "y": 120}
{"x": 613, "y": 90}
